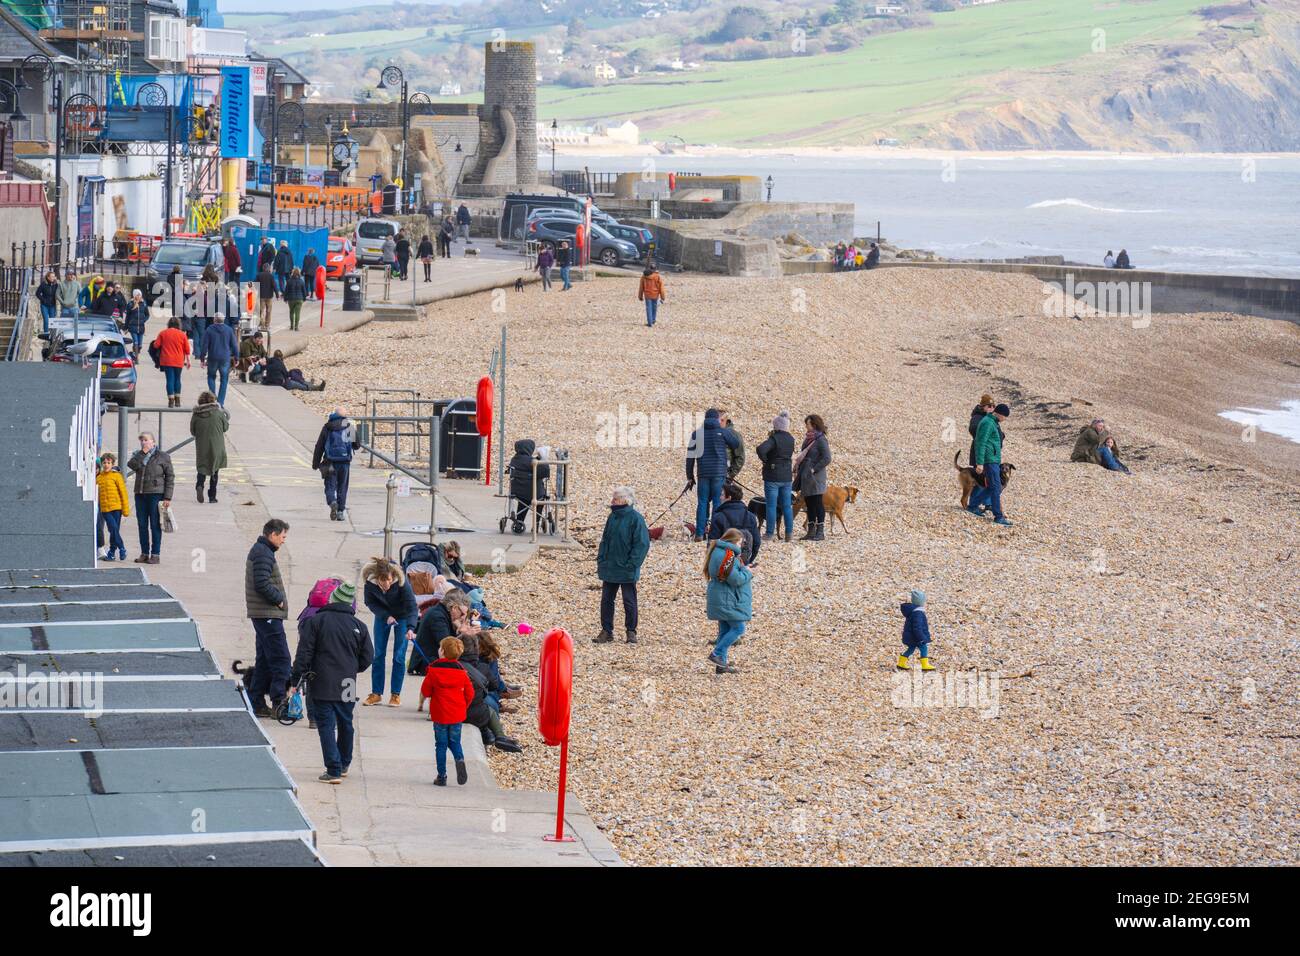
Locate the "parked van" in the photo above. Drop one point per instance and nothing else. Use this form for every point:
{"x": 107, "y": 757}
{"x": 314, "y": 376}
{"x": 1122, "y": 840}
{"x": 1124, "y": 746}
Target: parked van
{"x": 371, "y": 234}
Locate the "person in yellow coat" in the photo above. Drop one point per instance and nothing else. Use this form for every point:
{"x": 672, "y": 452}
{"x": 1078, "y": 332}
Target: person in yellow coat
{"x": 114, "y": 505}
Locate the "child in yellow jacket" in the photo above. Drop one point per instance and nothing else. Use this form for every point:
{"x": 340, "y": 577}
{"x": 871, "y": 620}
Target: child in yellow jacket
{"x": 113, "y": 505}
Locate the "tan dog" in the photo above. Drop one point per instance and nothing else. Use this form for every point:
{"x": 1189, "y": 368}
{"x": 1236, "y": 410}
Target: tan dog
{"x": 968, "y": 482}
{"x": 834, "y": 500}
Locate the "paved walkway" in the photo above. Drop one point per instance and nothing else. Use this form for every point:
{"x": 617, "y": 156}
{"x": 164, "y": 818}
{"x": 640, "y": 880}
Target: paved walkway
{"x": 387, "y": 812}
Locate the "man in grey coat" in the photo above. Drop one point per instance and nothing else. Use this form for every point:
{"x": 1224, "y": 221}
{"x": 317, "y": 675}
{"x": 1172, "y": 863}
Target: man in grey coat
{"x": 267, "y": 604}
{"x": 155, "y": 480}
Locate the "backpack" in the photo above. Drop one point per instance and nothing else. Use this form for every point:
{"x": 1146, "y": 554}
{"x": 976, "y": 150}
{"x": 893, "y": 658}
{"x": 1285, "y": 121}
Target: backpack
{"x": 320, "y": 595}
{"x": 337, "y": 445}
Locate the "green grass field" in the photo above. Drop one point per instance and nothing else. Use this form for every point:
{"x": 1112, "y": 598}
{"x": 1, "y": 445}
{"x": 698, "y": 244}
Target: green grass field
{"x": 891, "y": 81}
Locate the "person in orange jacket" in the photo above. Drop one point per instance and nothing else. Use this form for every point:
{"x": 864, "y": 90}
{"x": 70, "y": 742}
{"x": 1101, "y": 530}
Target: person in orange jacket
{"x": 173, "y": 354}
{"x": 651, "y": 293}
{"x": 450, "y": 692}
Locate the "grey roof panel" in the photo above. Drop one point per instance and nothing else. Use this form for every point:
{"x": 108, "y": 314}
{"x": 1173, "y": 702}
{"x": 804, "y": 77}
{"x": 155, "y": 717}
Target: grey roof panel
{"x": 86, "y": 692}
{"x": 39, "y": 578}
{"x": 181, "y": 769}
{"x": 72, "y": 613}
{"x": 260, "y": 853}
{"x": 137, "y": 664}
{"x": 150, "y": 635}
{"x": 36, "y": 731}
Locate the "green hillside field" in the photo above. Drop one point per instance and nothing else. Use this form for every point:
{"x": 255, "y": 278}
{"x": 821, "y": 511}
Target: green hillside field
{"x": 897, "y": 81}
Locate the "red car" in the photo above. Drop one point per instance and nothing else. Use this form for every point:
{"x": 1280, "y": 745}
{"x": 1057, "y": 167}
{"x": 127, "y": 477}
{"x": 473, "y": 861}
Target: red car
{"x": 340, "y": 258}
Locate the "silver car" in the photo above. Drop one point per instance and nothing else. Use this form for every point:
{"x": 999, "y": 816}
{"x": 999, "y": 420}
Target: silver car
{"x": 371, "y": 234}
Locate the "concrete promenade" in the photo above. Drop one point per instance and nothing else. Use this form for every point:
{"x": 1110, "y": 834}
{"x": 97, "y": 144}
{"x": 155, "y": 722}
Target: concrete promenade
{"x": 387, "y": 812}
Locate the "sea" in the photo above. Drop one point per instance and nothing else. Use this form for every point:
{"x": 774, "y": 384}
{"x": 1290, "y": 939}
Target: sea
{"x": 1228, "y": 214}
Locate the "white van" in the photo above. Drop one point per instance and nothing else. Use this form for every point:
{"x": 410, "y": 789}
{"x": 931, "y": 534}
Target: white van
{"x": 371, "y": 234}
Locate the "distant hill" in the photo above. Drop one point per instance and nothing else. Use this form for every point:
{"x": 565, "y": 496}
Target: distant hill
{"x": 1171, "y": 75}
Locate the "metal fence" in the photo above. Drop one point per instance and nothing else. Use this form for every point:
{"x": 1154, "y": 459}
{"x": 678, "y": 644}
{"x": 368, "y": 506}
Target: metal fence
{"x": 15, "y": 303}
{"x": 83, "y": 255}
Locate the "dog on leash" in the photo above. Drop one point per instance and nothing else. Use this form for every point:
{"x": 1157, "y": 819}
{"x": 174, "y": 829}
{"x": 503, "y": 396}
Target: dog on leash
{"x": 834, "y": 500}
{"x": 519, "y": 284}
{"x": 968, "y": 481}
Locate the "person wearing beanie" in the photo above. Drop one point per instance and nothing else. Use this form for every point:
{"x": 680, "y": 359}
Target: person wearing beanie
{"x": 333, "y": 649}
{"x": 988, "y": 463}
{"x": 916, "y": 632}
{"x": 985, "y": 407}
{"x": 777, "y": 455}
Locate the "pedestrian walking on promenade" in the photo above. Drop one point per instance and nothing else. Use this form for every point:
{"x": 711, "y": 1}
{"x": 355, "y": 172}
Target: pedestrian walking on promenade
{"x": 390, "y": 599}
{"x": 463, "y": 220}
{"x": 624, "y": 545}
{"x": 388, "y": 254}
{"x": 651, "y": 292}
{"x": 209, "y": 423}
{"x": 233, "y": 264}
{"x": 450, "y": 692}
{"x": 709, "y": 446}
{"x": 332, "y": 457}
{"x": 810, "y": 465}
{"x": 69, "y": 294}
{"x": 283, "y": 266}
{"x": 47, "y": 294}
{"x": 402, "y": 253}
{"x": 218, "y": 351}
{"x": 295, "y": 293}
{"x": 729, "y": 599}
{"x": 265, "y": 295}
{"x": 310, "y": 266}
{"x": 173, "y": 355}
{"x": 113, "y": 505}
{"x": 267, "y": 604}
{"x": 564, "y": 259}
{"x": 445, "y": 233}
{"x": 137, "y": 317}
{"x": 777, "y": 455}
{"x": 545, "y": 262}
{"x": 425, "y": 252}
{"x": 333, "y": 651}
{"x": 155, "y": 480}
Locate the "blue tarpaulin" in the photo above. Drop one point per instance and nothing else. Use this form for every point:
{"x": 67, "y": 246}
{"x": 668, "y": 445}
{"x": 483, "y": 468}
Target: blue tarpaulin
{"x": 248, "y": 239}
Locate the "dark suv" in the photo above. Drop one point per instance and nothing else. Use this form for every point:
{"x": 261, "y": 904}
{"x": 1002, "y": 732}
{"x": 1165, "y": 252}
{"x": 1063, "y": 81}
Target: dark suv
{"x": 606, "y": 249}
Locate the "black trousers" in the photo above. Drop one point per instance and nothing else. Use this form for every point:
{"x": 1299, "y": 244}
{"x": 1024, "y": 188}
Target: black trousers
{"x": 212, "y": 485}
{"x": 816, "y": 510}
{"x": 428, "y": 270}
{"x": 607, "y": 593}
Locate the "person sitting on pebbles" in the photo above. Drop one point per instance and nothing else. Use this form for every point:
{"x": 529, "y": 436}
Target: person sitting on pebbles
{"x": 916, "y": 632}
{"x": 1096, "y": 446}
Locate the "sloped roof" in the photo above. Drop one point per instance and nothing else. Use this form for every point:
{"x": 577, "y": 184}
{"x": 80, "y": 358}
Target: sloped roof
{"x": 18, "y": 40}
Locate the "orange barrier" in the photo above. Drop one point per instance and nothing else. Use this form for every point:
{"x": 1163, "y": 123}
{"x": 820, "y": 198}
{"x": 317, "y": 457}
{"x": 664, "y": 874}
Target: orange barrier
{"x": 344, "y": 198}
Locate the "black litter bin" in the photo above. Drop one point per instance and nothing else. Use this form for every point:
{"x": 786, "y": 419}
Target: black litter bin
{"x": 390, "y": 194}
{"x": 352, "y": 298}
{"x": 460, "y": 453}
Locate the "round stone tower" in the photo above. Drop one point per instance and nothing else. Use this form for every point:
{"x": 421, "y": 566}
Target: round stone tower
{"x": 510, "y": 86}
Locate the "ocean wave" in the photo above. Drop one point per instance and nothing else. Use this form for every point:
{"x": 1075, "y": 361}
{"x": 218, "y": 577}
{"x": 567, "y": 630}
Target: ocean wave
{"x": 1080, "y": 204}
{"x": 1205, "y": 251}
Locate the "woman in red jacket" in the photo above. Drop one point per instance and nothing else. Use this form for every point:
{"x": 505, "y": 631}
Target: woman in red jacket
{"x": 173, "y": 354}
{"x": 450, "y": 693}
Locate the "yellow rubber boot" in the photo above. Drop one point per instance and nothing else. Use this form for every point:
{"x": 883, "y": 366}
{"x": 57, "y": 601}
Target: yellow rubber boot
{"x": 926, "y": 665}
{"x": 902, "y": 663}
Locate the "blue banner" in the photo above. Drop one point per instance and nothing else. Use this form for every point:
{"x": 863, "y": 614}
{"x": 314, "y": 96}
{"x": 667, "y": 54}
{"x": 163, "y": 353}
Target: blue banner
{"x": 236, "y": 112}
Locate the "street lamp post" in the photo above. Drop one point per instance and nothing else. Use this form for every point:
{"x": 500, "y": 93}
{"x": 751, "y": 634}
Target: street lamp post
{"x": 275, "y": 137}
{"x": 769, "y": 183}
{"x": 47, "y": 72}
{"x": 555, "y": 136}
{"x": 390, "y": 77}
{"x": 155, "y": 94}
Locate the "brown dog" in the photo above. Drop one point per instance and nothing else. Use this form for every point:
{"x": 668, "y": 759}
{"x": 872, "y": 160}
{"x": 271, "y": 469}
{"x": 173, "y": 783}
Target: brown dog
{"x": 968, "y": 481}
{"x": 834, "y": 500}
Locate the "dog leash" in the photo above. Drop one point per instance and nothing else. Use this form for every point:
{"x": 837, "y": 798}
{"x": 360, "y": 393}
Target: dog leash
{"x": 670, "y": 507}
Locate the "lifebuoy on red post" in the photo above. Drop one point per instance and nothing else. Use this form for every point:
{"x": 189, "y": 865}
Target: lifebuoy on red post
{"x": 554, "y": 707}
{"x": 483, "y": 421}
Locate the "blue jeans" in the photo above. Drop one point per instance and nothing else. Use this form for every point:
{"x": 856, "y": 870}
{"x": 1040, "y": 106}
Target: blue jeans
{"x": 993, "y": 493}
{"x": 923, "y": 648}
{"x": 381, "y": 631}
{"x": 148, "y": 518}
{"x": 279, "y": 283}
{"x": 68, "y": 311}
{"x": 564, "y": 277}
{"x": 271, "y": 663}
{"x": 446, "y": 736}
{"x": 777, "y": 495}
{"x": 651, "y": 311}
{"x": 728, "y": 633}
{"x": 137, "y": 340}
{"x": 113, "y": 522}
{"x": 334, "y": 724}
{"x": 173, "y": 375}
{"x": 47, "y": 313}
{"x": 1108, "y": 459}
{"x": 336, "y": 484}
{"x": 708, "y": 493}
{"x": 222, "y": 370}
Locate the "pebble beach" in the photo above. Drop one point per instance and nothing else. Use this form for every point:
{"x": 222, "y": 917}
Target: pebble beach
{"x": 1138, "y": 634}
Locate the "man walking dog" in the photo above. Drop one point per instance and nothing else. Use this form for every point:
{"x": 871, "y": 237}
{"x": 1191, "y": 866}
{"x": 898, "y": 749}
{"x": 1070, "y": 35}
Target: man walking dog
{"x": 988, "y": 462}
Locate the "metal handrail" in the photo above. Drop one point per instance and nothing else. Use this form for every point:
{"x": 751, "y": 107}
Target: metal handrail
{"x": 124, "y": 414}
{"x": 18, "y": 335}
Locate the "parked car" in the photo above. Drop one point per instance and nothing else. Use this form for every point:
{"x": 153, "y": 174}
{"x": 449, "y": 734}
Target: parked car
{"x": 643, "y": 239}
{"x": 192, "y": 255}
{"x": 604, "y": 247}
{"x": 117, "y": 370}
{"x": 340, "y": 257}
{"x": 518, "y": 206}
{"x": 598, "y": 217}
{"x": 369, "y": 243}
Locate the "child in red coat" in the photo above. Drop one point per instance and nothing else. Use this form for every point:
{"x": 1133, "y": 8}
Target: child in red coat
{"x": 450, "y": 693}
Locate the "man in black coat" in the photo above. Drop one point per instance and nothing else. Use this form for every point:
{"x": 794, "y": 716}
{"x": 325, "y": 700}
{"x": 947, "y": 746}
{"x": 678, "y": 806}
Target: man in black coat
{"x": 267, "y": 607}
{"x": 309, "y": 266}
{"x": 733, "y": 513}
{"x": 333, "y": 648}
{"x": 403, "y": 250}
{"x": 283, "y": 266}
{"x": 777, "y": 454}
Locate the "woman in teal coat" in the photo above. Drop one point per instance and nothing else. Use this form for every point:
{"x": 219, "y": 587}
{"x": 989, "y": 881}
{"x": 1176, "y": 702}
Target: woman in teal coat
{"x": 730, "y": 599}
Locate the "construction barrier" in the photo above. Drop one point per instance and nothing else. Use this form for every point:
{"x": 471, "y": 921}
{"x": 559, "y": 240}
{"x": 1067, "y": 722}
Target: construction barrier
{"x": 348, "y": 198}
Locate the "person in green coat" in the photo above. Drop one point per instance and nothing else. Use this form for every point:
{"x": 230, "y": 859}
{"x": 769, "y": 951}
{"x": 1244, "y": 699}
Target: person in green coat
{"x": 623, "y": 549}
{"x": 988, "y": 461}
{"x": 208, "y": 424}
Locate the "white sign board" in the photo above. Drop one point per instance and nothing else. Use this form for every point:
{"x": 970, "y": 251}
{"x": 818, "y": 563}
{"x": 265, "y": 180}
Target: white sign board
{"x": 257, "y": 71}
{"x": 403, "y": 487}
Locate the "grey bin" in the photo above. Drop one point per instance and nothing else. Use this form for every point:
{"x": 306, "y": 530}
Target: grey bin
{"x": 352, "y": 298}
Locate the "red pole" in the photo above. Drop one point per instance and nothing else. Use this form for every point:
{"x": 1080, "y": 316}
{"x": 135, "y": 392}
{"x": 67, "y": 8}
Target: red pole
{"x": 322, "y": 313}
{"x": 559, "y": 811}
{"x": 487, "y": 465}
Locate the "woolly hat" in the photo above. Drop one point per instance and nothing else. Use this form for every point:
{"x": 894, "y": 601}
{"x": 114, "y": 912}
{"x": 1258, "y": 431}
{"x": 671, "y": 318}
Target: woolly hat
{"x": 1004, "y": 410}
{"x": 345, "y": 593}
{"x": 782, "y": 422}
{"x": 918, "y": 598}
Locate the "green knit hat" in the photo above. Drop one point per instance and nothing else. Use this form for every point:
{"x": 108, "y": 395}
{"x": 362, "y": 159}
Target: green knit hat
{"x": 345, "y": 593}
